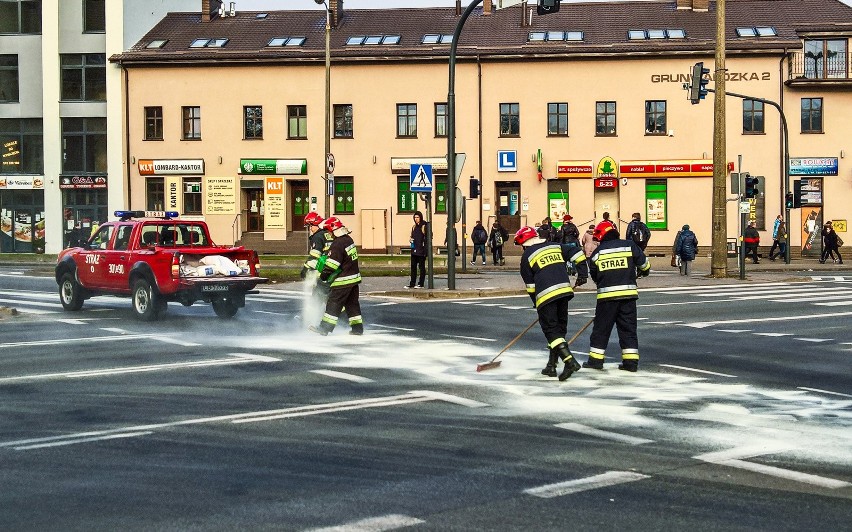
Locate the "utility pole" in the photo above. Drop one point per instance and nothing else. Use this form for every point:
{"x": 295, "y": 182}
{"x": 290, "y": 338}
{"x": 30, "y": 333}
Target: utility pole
{"x": 719, "y": 254}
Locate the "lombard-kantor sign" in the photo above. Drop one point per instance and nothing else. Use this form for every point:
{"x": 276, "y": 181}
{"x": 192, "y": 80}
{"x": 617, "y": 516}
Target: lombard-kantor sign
{"x": 274, "y": 166}
{"x": 171, "y": 166}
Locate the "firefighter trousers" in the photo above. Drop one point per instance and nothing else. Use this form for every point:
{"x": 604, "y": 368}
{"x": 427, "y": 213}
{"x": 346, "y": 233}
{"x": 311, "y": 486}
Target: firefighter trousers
{"x": 622, "y": 314}
{"x": 341, "y": 297}
{"x": 553, "y": 318}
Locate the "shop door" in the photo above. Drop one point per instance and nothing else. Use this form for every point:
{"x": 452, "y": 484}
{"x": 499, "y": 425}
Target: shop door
{"x": 78, "y": 225}
{"x": 254, "y": 214}
{"x": 508, "y": 206}
{"x": 300, "y": 204}
{"x": 606, "y": 200}
{"x": 18, "y": 231}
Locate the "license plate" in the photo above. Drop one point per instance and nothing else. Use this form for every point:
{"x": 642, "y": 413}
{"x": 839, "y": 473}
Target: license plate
{"x": 214, "y": 288}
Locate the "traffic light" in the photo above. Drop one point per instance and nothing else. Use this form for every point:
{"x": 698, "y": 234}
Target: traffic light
{"x": 789, "y": 202}
{"x": 545, "y": 7}
{"x": 797, "y": 193}
{"x": 474, "y": 188}
{"x": 751, "y": 190}
{"x": 698, "y": 86}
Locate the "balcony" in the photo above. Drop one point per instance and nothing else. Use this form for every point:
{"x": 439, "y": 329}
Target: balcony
{"x": 810, "y": 71}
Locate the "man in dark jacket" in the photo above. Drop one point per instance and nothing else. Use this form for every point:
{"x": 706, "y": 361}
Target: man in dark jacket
{"x": 638, "y": 232}
{"x": 546, "y": 230}
{"x": 545, "y": 274}
{"x": 687, "y": 248}
{"x": 568, "y": 234}
{"x": 751, "y": 239}
{"x": 496, "y": 239}
{"x": 341, "y": 275}
{"x": 613, "y": 267}
{"x": 479, "y": 236}
{"x": 830, "y": 246}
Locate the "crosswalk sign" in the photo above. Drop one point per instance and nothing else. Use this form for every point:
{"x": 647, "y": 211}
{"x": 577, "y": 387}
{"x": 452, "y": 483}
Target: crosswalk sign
{"x": 421, "y": 178}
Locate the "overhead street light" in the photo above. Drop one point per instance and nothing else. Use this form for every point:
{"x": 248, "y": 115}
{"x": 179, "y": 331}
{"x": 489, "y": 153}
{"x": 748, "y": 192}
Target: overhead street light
{"x": 326, "y": 175}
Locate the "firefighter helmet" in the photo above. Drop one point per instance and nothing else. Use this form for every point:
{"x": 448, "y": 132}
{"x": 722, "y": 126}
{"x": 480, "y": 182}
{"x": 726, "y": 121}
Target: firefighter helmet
{"x": 332, "y": 224}
{"x": 313, "y": 218}
{"x": 524, "y": 234}
{"x": 602, "y": 229}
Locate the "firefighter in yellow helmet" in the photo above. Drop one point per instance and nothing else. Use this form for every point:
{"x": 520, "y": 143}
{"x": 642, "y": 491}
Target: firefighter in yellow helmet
{"x": 614, "y": 266}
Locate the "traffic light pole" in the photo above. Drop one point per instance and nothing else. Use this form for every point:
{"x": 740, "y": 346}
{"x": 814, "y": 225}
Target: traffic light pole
{"x": 786, "y": 178}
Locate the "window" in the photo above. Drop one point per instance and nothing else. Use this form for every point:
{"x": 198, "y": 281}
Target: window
{"x": 297, "y": 122}
{"x": 208, "y": 43}
{"x": 154, "y": 124}
{"x": 343, "y": 128}
{"x": 656, "y": 204}
{"x": 825, "y": 59}
{"x": 763, "y": 31}
{"x": 811, "y": 115}
{"x": 752, "y": 116}
{"x": 655, "y": 117}
{"x": 406, "y": 120}
{"x": 22, "y": 146}
{"x": 9, "y": 88}
{"x": 191, "y": 123}
{"x": 441, "y": 117}
{"x": 94, "y": 16}
{"x": 344, "y": 195}
{"x": 406, "y": 200}
{"x": 85, "y": 143}
{"x": 286, "y": 41}
{"x": 20, "y": 16}
{"x": 83, "y": 77}
{"x": 155, "y": 192}
{"x": 192, "y": 195}
{"x": 253, "y": 122}
{"x": 437, "y": 39}
{"x": 510, "y": 120}
{"x": 157, "y": 43}
{"x": 605, "y": 119}
{"x": 557, "y": 119}
{"x": 440, "y": 194}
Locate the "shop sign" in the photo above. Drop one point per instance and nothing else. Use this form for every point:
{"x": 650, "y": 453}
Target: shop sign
{"x": 574, "y": 169}
{"x": 171, "y": 166}
{"x": 21, "y": 182}
{"x": 685, "y": 168}
{"x": 402, "y": 165}
{"x": 607, "y": 168}
{"x": 274, "y": 166}
{"x": 814, "y": 166}
{"x": 273, "y": 218}
{"x": 221, "y": 195}
{"x": 606, "y": 182}
{"x": 83, "y": 182}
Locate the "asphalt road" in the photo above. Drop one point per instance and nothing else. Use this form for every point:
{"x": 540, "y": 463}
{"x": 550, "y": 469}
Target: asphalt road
{"x": 739, "y": 418}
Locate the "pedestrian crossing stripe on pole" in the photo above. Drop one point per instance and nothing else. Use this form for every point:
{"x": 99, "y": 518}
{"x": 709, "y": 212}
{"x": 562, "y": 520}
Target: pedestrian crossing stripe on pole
{"x": 421, "y": 178}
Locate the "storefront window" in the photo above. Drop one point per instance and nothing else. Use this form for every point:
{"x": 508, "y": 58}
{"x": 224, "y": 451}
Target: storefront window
{"x": 192, "y": 195}
{"x": 557, "y": 200}
{"x": 440, "y": 198}
{"x": 155, "y": 192}
{"x": 22, "y": 146}
{"x": 406, "y": 200}
{"x": 344, "y": 195}
{"x": 84, "y": 210}
{"x": 656, "y": 204}
{"x": 21, "y": 221}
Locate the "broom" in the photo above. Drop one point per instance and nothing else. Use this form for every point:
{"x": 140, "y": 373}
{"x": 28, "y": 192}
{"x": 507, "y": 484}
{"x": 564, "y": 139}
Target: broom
{"x": 494, "y": 363}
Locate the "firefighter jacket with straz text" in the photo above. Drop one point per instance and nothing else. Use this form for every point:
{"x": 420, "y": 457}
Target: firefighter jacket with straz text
{"x": 341, "y": 267}
{"x": 320, "y": 243}
{"x": 613, "y": 267}
{"x": 545, "y": 274}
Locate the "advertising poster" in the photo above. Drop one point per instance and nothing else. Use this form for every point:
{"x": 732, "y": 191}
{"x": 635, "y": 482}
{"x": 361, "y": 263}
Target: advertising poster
{"x": 221, "y": 195}
{"x": 656, "y": 211}
{"x": 557, "y": 209}
{"x": 811, "y": 237}
{"x": 274, "y": 216}
{"x": 174, "y": 198}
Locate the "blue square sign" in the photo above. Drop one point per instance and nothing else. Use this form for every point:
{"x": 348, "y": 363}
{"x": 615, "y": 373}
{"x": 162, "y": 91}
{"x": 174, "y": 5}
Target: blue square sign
{"x": 507, "y": 161}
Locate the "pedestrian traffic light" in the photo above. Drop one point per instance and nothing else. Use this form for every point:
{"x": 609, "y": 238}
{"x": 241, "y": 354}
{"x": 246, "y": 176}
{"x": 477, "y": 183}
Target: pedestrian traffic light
{"x": 797, "y": 193}
{"x": 474, "y": 188}
{"x": 698, "y": 85}
{"x": 789, "y": 202}
{"x": 751, "y": 190}
{"x": 545, "y": 7}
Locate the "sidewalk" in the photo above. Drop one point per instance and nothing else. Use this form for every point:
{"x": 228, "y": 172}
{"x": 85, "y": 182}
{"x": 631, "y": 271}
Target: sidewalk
{"x": 479, "y": 281}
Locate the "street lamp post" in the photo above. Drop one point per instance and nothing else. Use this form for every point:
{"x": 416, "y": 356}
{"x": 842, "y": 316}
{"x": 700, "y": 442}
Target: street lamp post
{"x": 326, "y": 175}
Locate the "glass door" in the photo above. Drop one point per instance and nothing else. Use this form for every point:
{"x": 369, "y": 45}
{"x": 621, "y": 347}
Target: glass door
{"x": 254, "y": 201}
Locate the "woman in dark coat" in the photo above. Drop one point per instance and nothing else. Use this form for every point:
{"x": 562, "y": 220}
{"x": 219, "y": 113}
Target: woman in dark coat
{"x": 829, "y": 244}
{"x": 687, "y": 248}
{"x": 418, "y": 251}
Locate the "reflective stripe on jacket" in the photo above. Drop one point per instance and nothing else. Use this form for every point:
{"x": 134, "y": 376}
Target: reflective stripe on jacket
{"x": 342, "y": 264}
{"x": 545, "y": 273}
{"x": 613, "y": 268}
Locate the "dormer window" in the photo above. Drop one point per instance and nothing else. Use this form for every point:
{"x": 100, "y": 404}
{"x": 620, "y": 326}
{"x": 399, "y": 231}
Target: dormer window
{"x": 157, "y": 43}
{"x": 208, "y": 43}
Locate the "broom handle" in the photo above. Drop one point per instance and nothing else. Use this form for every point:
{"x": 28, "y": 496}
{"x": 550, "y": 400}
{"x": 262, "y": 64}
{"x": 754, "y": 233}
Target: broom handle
{"x": 586, "y": 326}
{"x": 518, "y": 337}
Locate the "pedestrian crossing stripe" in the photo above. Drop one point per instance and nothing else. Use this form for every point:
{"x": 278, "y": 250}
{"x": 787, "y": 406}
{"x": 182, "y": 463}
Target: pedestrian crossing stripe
{"x": 421, "y": 178}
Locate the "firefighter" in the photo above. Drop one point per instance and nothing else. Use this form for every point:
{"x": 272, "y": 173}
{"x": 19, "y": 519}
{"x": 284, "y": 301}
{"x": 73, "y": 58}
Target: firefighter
{"x": 319, "y": 241}
{"x": 614, "y": 267}
{"x": 341, "y": 275}
{"x": 545, "y": 274}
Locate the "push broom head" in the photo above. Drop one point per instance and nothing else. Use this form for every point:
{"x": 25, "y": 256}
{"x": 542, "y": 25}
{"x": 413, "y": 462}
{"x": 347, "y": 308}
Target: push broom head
{"x": 488, "y": 365}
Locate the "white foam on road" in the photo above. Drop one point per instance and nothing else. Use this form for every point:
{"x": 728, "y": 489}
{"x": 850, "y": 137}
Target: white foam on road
{"x": 373, "y": 524}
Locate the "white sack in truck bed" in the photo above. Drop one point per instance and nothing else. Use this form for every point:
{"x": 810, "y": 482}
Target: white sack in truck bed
{"x": 221, "y": 265}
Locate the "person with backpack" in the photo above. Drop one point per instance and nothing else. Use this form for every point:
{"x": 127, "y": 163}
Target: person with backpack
{"x": 479, "y": 236}
{"x": 496, "y": 239}
{"x": 546, "y": 230}
{"x": 568, "y": 234}
{"x": 638, "y": 232}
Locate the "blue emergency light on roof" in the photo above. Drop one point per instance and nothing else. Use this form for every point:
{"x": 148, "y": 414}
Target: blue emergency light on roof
{"x": 127, "y": 215}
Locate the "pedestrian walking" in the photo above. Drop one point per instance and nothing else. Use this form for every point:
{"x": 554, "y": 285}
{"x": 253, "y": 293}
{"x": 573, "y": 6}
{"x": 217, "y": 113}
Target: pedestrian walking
{"x": 675, "y": 256}
{"x": 496, "y": 239}
{"x": 614, "y": 267}
{"x": 775, "y": 243}
{"x": 418, "y": 251}
{"x": 341, "y": 275}
{"x": 544, "y": 272}
{"x": 568, "y": 234}
{"x": 687, "y": 249}
{"x": 479, "y": 236}
{"x": 546, "y": 230}
{"x": 588, "y": 241}
{"x": 751, "y": 239}
{"x": 638, "y": 232}
{"x": 830, "y": 244}
{"x": 780, "y": 239}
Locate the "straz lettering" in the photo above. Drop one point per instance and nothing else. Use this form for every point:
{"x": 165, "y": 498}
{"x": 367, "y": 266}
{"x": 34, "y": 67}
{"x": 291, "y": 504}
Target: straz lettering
{"x": 93, "y": 259}
{"x": 116, "y": 268}
{"x": 549, "y": 257}
{"x": 612, "y": 264}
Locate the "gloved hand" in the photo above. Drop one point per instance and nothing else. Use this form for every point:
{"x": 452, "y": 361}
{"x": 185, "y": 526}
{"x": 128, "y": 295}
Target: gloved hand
{"x": 304, "y": 272}
{"x": 646, "y": 273}
{"x": 323, "y": 286}
{"x": 581, "y": 281}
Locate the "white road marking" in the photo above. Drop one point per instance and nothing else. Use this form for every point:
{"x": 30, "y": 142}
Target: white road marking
{"x": 82, "y": 440}
{"x": 703, "y": 324}
{"x": 394, "y": 328}
{"x": 60, "y": 341}
{"x": 236, "y": 358}
{"x": 341, "y": 375}
{"x": 11, "y": 274}
{"x": 824, "y": 391}
{"x": 733, "y": 331}
{"x": 676, "y": 289}
{"x": 664, "y": 322}
{"x": 610, "y": 478}
{"x": 591, "y": 431}
{"x": 815, "y": 340}
{"x": 32, "y": 303}
{"x": 805, "y": 478}
{"x": 470, "y": 338}
{"x": 373, "y": 524}
{"x": 823, "y": 297}
{"x": 785, "y": 293}
{"x": 117, "y": 330}
{"x": 746, "y": 451}
{"x": 386, "y": 304}
{"x": 834, "y": 304}
{"x": 168, "y": 340}
{"x": 447, "y": 398}
{"x": 72, "y": 321}
{"x": 269, "y": 312}
{"x": 772, "y": 334}
{"x": 684, "y": 368}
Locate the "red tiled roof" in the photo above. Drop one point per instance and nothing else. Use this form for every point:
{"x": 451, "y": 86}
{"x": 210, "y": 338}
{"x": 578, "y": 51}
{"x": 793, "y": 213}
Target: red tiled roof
{"x": 605, "y": 27}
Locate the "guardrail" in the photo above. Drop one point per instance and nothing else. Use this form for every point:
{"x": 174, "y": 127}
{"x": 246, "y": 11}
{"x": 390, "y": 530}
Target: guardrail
{"x": 806, "y": 66}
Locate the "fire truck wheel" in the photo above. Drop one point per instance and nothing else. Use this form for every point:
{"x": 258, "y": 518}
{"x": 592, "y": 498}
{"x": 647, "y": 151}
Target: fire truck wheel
{"x": 70, "y": 293}
{"x": 145, "y": 301}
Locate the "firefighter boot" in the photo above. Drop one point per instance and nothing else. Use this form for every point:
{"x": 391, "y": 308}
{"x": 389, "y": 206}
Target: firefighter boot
{"x": 571, "y": 365}
{"x": 629, "y": 365}
{"x": 596, "y": 359}
{"x": 550, "y": 369}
